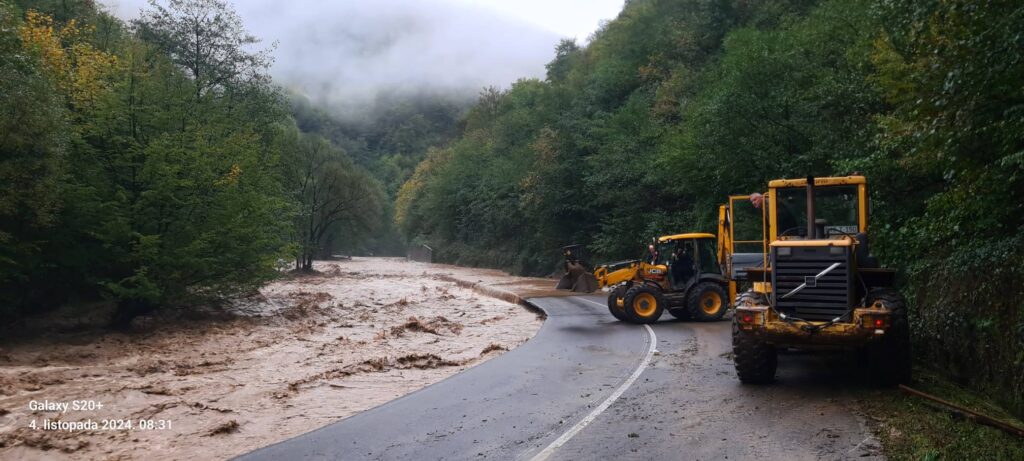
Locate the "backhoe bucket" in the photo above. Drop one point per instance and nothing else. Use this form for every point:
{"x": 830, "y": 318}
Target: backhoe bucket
{"x": 577, "y": 279}
{"x": 565, "y": 283}
{"x": 586, "y": 283}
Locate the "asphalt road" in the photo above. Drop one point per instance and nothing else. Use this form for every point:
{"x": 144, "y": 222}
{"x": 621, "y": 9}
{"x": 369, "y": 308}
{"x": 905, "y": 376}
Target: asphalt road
{"x": 590, "y": 387}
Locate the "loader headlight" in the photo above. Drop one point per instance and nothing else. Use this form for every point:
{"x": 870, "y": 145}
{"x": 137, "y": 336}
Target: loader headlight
{"x": 784, "y": 251}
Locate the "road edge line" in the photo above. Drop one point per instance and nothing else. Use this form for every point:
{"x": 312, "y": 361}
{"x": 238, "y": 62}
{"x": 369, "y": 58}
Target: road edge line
{"x": 568, "y": 435}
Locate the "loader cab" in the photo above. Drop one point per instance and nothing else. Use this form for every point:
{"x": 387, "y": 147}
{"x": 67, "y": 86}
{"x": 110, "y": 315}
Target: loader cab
{"x": 831, "y": 247}
{"x": 840, "y": 208}
{"x": 687, "y": 257}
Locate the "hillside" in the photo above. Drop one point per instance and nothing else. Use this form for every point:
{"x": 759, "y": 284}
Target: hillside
{"x": 676, "y": 104}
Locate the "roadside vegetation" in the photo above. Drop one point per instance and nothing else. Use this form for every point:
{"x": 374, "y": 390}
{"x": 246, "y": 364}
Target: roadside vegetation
{"x": 155, "y": 164}
{"x": 915, "y": 429}
{"x": 676, "y": 104}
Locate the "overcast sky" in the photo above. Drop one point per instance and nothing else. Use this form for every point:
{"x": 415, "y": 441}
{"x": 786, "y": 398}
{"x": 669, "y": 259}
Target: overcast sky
{"x": 345, "y": 52}
{"x": 567, "y": 18}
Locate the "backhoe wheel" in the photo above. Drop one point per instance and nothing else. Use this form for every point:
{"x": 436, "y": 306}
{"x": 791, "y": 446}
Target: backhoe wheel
{"x": 643, "y": 304}
{"x": 889, "y": 357}
{"x": 614, "y": 298}
{"x": 707, "y": 302}
{"x": 755, "y": 359}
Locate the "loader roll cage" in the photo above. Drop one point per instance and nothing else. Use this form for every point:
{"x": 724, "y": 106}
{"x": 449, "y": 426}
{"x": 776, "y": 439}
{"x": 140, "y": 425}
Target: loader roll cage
{"x": 835, "y": 209}
{"x": 745, "y": 232}
{"x": 688, "y": 257}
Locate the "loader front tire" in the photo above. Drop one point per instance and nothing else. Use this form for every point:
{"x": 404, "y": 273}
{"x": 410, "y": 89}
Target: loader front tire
{"x": 614, "y": 297}
{"x": 756, "y": 361}
{"x": 643, "y": 304}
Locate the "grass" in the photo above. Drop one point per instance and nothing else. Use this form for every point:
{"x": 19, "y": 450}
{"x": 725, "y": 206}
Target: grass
{"x": 912, "y": 428}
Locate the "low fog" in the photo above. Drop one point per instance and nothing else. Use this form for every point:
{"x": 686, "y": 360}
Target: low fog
{"x": 346, "y": 54}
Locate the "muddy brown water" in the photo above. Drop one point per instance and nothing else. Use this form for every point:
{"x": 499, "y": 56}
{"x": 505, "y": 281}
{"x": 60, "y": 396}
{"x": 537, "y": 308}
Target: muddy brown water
{"x": 310, "y": 351}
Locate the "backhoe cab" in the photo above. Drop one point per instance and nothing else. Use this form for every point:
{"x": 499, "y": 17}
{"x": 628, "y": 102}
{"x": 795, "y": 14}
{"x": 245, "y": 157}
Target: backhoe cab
{"x": 682, "y": 275}
{"x": 813, "y": 282}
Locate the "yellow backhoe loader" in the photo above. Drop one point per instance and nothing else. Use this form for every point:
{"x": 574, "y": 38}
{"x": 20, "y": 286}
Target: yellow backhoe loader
{"x": 809, "y": 280}
{"x": 682, "y": 275}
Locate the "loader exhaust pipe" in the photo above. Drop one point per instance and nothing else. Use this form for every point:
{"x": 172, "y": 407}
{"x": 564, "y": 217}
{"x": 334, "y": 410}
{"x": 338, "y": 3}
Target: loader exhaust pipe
{"x": 811, "y": 227}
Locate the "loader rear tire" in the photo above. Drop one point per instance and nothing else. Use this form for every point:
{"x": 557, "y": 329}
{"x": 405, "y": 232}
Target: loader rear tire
{"x": 889, "y": 358}
{"x": 707, "y": 302}
{"x": 617, "y": 294}
{"x": 750, "y": 298}
{"x": 756, "y": 360}
{"x": 643, "y": 304}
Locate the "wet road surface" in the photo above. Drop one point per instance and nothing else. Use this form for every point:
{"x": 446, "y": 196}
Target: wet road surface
{"x": 590, "y": 387}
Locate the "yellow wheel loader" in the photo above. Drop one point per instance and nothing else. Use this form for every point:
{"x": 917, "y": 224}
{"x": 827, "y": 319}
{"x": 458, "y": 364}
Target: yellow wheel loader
{"x": 809, "y": 280}
{"x": 682, "y": 275}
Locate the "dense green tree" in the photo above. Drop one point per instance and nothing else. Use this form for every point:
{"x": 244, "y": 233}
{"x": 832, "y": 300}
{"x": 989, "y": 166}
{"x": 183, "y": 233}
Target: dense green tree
{"x": 388, "y": 141}
{"x": 143, "y": 165}
{"x": 337, "y": 201}
{"x": 951, "y": 160}
{"x": 34, "y": 135}
{"x": 208, "y": 40}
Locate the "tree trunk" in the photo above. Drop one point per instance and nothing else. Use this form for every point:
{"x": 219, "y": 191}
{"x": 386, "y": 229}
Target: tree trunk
{"x": 307, "y": 260}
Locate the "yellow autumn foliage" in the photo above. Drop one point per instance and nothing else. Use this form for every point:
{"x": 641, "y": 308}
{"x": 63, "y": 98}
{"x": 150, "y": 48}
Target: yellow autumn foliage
{"x": 231, "y": 178}
{"x": 80, "y": 70}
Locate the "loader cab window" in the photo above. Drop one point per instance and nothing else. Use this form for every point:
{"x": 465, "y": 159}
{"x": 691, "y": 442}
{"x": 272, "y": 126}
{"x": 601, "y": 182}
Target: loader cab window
{"x": 837, "y": 205}
{"x": 666, "y": 251}
{"x": 683, "y": 262}
{"x": 708, "y": 257}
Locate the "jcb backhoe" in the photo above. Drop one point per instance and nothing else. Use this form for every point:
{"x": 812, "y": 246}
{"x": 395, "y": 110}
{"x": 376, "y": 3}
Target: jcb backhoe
{"x": 809, "y": 280}
{"x": 682, "y": 275}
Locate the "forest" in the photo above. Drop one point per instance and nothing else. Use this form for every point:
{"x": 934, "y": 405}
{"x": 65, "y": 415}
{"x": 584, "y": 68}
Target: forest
{"x": 676, "y": 104}
{"x": 154, "y": 163}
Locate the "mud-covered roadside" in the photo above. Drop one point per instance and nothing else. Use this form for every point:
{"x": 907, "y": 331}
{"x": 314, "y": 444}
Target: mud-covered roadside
{"x": 306, "y": 352}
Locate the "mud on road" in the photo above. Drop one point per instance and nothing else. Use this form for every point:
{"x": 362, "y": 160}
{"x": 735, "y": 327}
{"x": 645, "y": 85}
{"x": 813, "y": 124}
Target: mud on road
{"x": 689, "y": 405}
{"x": 307, "y": 351}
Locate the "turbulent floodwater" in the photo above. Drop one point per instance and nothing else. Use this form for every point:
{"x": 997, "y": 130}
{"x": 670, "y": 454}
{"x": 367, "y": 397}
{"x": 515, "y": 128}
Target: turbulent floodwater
{"x": 308, "y": 351}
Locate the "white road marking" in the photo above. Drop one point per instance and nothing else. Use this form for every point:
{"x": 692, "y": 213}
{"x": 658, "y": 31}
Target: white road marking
{"x": 607, "y": 402}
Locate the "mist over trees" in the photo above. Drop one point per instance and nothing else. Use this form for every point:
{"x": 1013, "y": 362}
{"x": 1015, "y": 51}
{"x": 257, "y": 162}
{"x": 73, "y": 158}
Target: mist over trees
{"x": 354, "y": 58}
{"x": 154, "y": 164}
{"x": 676, "y": 104}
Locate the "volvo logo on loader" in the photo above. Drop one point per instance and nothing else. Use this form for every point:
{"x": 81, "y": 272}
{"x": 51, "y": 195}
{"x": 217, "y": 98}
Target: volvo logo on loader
{"x": 811, "y": 281}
